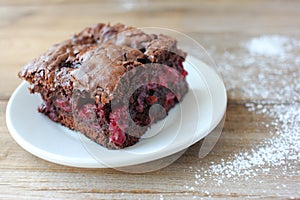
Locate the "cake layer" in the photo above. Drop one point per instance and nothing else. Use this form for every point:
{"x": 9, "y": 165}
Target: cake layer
{"x": 104, "y": 81}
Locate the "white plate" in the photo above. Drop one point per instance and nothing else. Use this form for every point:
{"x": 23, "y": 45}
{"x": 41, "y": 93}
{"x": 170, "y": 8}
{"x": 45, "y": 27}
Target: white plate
{"x": 200, "y": 112}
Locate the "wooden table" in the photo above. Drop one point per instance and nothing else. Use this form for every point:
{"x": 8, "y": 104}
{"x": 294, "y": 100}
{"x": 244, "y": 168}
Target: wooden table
{"x": 257, "y": 155}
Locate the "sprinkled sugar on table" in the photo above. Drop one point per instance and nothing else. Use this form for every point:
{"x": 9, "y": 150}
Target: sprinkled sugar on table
{"x": 256, "y": 45}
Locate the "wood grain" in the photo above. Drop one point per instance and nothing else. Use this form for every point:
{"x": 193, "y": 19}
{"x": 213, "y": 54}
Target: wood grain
{"x": 23, "y": 173}
{"x": 28, "y": 29}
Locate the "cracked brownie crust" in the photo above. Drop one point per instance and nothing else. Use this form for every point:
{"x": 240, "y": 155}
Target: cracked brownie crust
{"x": 78, "y": 79}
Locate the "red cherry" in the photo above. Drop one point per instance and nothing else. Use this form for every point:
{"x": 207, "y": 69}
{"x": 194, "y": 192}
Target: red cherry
{"x": 87, "y": 111}
{"x": 152, "y": 99}
{"x": 118, "y": 136}
{"x": 184, "y": 73}
{"x": 63, "y": 104}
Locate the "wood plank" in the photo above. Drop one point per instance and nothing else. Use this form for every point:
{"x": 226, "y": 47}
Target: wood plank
{"x": 24, "y": 173}
{"x": 255, "y": 17}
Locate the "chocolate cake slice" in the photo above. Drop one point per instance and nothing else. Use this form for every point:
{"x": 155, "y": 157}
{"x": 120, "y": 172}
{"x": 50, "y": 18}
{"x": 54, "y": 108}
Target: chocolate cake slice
{"x": 105, "y": 81}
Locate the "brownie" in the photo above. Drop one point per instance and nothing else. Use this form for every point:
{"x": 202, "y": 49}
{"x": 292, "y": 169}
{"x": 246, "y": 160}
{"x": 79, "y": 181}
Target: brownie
{"x": 105, "y": 81}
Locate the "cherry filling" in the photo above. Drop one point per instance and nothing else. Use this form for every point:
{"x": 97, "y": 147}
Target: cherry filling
{"x": 184, "y": 73}
{"x": 63, "y": 104}
{"x": 146, "y": 96}
{"x": 87, "y": 112}
{"x": 116, "y": 121}
{"x": 181, "y": 68}
{"x": 139, "y": 105}
{"x": 49, "y": 110}
{"x": 118, "y": 136}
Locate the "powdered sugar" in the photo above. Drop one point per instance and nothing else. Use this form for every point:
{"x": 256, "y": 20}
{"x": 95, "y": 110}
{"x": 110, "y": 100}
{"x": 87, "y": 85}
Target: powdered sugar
{"x": 281, "y": 149}
{"x": 274, "y": 45}
{"x": 269, "y": 69}
{"x": 261, "y": 70}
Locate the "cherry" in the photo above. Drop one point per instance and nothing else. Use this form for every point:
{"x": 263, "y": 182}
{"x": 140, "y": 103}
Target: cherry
{"x": 184, "y": 73}
{"x": 169, "y": 100}
{"x": 118, "y": 137}
{"x": 63, "y": 104}
{"x": 87, "y": 111}
{"x": 152, "y": 99}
